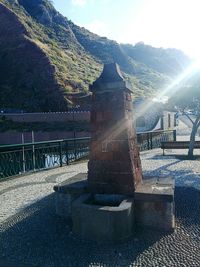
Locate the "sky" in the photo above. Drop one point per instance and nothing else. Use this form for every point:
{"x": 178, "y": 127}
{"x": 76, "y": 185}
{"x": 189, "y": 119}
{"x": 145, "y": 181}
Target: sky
{"x": 160, "y": 23}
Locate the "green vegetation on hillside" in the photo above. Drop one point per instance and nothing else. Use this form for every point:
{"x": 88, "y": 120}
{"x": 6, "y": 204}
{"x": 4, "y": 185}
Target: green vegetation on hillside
{"x": 46, "y": 56}
{"x": 169, "y": 62}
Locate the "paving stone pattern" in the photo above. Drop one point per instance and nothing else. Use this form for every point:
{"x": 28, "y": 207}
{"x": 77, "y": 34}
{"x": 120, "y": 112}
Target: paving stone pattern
{"x": 32, "y": 235}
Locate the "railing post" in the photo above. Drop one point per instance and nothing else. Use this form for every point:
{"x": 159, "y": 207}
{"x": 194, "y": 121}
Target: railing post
{"x": 60, "y": 153}
{"x": 151, "y": 140}
{"x": 174, "y": 135}
{"x": 33, "y": 149}
{"x": 148, "y": 143}
{"x": 33, "y": 156}
{"x": 23, "y": 155}
{"x": 67, "y": 155}
{"x": 75, "y": 152}
{"x": 23, "y": 159}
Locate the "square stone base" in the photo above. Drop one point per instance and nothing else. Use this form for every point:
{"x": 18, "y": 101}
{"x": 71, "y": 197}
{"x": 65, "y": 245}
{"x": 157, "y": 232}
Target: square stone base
{"x": 103, "y": 223}
{"x": 112, "y": 218}
{"x": 67, "y": 191}
{"x": 154, "y": 204}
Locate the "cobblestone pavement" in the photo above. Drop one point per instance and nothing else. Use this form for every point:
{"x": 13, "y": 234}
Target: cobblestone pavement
{"x": 32, "y": 235}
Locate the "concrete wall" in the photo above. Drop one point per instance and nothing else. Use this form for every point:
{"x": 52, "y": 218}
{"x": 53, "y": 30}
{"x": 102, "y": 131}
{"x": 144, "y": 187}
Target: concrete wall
{"x": 103, "y": 223}
{"x": 11, "y": 137}
{"x": 16, "y": 138}
{"x": 49, "y": 117}
{"x": 168, "y": 120}
{"x": 150, "y": 120}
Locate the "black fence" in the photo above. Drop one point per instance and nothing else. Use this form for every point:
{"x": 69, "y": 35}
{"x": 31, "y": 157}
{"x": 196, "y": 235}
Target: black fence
{"x": 23, "y": 158}
{"x": 150, "y": 140}
{"x": 19, "y": 159}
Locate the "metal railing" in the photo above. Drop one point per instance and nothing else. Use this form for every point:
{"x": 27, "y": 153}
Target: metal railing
{"x": 22, "y": 158}
{"x": 150, "y": 140}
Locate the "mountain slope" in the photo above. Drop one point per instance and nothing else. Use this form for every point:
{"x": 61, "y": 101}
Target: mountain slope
{"x": 166, "y": 61}
{"x": 43, "y": 56}
{"x": 26, "y": 74}
{"x": 35, "y": 67}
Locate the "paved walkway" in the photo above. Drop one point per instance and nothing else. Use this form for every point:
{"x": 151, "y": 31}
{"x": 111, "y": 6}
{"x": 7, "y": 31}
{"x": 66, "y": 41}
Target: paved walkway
{"x": 32, "y": 235}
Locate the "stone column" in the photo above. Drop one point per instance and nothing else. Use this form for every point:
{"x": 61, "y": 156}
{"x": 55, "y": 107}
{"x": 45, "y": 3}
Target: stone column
{"x": 114, "y": 166}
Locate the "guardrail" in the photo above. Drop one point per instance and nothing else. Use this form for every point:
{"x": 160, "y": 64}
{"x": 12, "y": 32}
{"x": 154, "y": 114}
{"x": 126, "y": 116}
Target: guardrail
{"x": 150, "y": 140}
{"x": 21, "y": 158}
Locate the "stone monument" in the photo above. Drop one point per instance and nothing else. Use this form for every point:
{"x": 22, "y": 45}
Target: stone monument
{"x": 108, "y": 202}
{"x": 114, "y": 166}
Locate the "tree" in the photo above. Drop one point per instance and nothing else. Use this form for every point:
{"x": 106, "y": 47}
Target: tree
{"x": 187, "y": 101}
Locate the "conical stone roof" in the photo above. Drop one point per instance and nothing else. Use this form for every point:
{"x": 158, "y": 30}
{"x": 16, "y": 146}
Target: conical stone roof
{"x": 110, "y": 79}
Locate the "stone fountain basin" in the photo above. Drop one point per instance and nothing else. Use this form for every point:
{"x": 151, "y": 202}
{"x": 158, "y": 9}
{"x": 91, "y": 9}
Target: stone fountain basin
{"x": 103, "y": 217}
{"x": 105, "y": 200}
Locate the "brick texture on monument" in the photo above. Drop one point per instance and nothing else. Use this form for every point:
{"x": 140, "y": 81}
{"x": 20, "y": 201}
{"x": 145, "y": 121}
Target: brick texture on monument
{"x": 114, "y": 166}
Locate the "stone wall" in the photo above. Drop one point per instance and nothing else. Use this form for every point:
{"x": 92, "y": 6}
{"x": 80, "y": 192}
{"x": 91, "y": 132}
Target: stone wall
{"x": 49, "y": 116}
{"x": 16, "y": 137}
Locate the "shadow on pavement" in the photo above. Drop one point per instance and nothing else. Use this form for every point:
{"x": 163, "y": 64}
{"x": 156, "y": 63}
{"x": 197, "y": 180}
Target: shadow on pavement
{"x": 37, "y": 237}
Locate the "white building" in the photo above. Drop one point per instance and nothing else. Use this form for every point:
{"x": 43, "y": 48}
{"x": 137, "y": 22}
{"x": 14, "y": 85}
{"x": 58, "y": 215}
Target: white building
{"x": 152, "y": 116}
